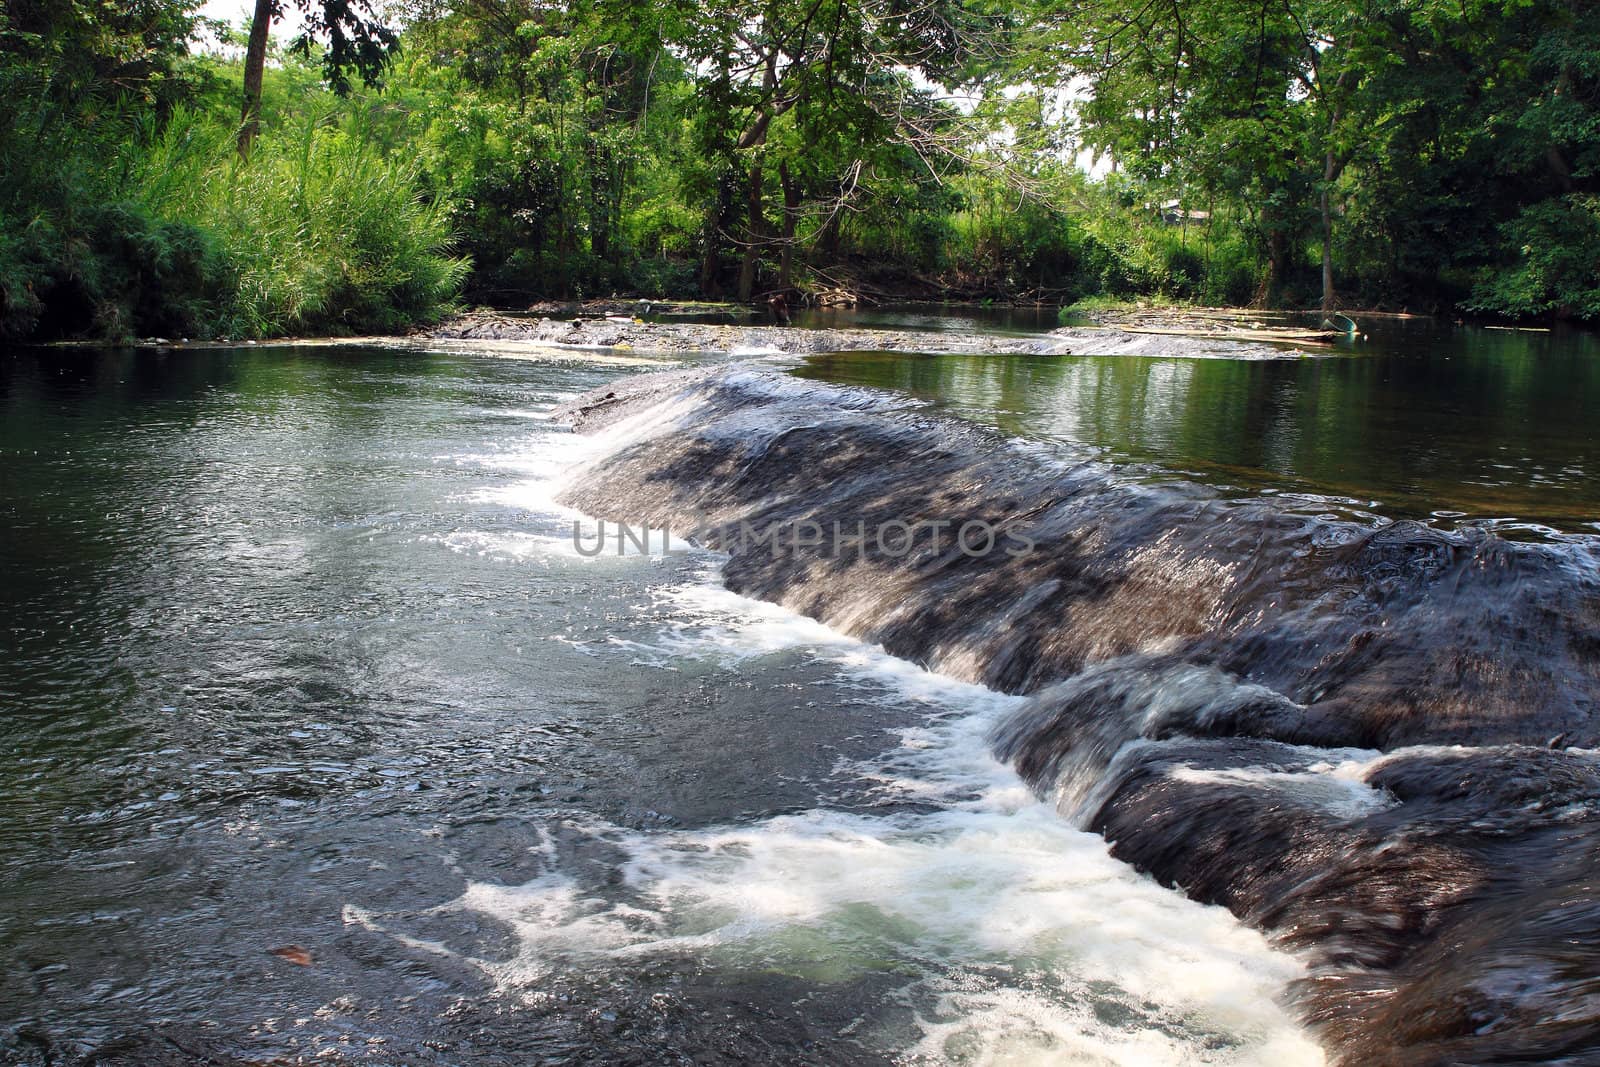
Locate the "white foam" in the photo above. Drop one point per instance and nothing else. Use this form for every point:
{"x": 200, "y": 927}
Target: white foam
{"x": 513, "y": 546}
{"x": 1018, "y": 937}
{"x": 946, "y": 898}
{"x": 1339, "y": 788}
{"x": 709, "y": 621}
{"x": 545, "y": 472}
{"x": 528, "y": 351}
{"x": 542, "y": 465}
{"x": 990, "y": 881}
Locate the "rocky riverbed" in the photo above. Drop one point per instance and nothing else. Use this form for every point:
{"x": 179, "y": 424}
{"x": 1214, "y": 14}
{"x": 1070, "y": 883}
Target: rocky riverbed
{"x": 620, "y": 332}
{"x": 1372, "y": 740}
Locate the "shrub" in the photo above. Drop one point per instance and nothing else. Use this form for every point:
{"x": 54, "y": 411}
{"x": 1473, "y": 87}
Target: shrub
{"x": 1551, "y": 262}
{"x": 663, "y": 279}
{"x": 129, "y": 230}
{"x": 1231, "y": 276}
{"x": 115, "y": 273}
{"x": 322, "y": 232}
{"x": 1185, "y": 272}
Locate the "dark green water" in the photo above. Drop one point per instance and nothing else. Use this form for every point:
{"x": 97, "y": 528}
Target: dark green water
{"x": 1420, "y": 420}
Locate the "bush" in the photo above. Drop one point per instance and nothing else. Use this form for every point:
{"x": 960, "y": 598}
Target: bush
{"x": 133, "y": 233}
{"x": 323, "y": 233}
{"x": 152, "y": 277}
{"x": 663, "y": 279}
{"x": 21, "y": 275}
{"x": 1085, "y": 308}
{"x": 660, "y": 227}
{"x": 115, "y": 273}
{"x": 1185, "y": 272}
{"x": 578, "y": 274}
{"x": 1232, "y": 276}
{"x": 328, "y": 234}
{"x": 1120, "y": 265}
{"x": 1551, "y": 263}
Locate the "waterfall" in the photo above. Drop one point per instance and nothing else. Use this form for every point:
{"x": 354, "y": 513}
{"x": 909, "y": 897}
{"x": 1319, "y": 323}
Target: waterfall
{"x": 1369, "y": 740}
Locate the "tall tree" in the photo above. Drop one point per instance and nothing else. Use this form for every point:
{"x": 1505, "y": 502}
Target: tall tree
{"x": 835, "y": 76}
{"x": 352, "y": 39}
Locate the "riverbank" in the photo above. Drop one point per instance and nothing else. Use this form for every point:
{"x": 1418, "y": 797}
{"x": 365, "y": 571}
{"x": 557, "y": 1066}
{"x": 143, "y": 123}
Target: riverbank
{"x": 657, "y": 328}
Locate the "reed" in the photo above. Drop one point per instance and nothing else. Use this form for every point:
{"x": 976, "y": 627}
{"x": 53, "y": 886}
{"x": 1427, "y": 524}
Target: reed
{"x": 133, "y": 228}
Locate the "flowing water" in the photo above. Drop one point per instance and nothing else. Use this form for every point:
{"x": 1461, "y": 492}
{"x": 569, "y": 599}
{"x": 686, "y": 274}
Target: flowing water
{"x": 300, "y": 654}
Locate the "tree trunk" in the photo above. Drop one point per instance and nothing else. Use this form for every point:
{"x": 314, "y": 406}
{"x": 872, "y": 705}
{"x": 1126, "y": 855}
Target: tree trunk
{"x": 1277, "y": 259}
{"x": 828, "y": 239}
{"x": 1330, "y": 172}
{"x": 755, "y": 226}
{"x": 255, "y": 65}
{"x": 599, "y": 202}
{"x": 711, "y": 261}
{"x": 1330, "y": 302}
{"x": 791, "y": 216}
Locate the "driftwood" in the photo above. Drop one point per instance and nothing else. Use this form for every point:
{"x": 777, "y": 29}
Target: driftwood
{"x": 1233, "y": 324}
{"x": 1264, "y": 333}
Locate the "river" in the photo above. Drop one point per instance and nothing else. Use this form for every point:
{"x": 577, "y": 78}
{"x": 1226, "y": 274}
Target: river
{"x": 300, "y": 655}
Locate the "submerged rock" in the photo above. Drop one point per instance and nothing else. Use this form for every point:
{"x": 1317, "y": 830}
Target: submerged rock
{"x": 1341, "y": 731}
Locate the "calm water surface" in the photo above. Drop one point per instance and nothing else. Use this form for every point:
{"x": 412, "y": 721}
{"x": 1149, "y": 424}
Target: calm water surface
{"x": 1419, "y": 420}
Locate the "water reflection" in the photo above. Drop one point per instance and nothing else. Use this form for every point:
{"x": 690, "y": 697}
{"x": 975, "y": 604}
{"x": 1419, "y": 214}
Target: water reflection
{"x": 1416, "y": 421}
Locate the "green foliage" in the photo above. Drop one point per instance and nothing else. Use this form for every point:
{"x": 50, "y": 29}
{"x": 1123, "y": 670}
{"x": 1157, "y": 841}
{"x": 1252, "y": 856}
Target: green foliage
{"x": 1428, "y": 154}
{"x": 1557, "y": 266}
{"x": 1406, "y": 146}
{"x": 121, "y": 223}
{"x": 114, "y": 272}
{"x": 1084, "y": 308}
{"x": 80, "y": 253}
{"x": 662, "y": 279}
{"x": 1232, "y": 273}
{"x": 325, "y": 234}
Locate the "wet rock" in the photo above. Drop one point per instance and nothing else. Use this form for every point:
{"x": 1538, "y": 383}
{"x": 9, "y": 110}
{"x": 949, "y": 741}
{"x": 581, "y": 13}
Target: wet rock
{"x": 160, "y": 1046}
{"x": 1378, "y": 635}
{"x": 1341, "y": 731}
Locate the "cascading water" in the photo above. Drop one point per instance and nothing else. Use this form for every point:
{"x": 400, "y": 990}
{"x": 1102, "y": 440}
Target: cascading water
{"x": 1370, "y": 740}
{"x": 326, "y": 740}
{"x": 975, "y": 925}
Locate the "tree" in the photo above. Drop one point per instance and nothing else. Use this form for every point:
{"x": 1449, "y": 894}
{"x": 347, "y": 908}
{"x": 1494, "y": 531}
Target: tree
{"x": 793, "y": 88}
{"x": 351, "y": 37}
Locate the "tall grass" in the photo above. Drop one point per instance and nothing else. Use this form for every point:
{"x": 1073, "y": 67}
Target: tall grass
{"x": 323, "y": 232}
{"x": 132, "y": 229}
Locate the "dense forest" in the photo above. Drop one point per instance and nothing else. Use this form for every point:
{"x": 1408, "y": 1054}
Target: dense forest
{"x": 353, "y": 169}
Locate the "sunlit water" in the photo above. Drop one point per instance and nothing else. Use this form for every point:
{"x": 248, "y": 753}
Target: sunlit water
{"x": 297, "y": 651}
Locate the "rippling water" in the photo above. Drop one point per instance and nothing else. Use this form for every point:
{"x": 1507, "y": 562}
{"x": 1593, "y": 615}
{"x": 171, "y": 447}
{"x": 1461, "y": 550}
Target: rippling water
{"x": 1373, "y": 738}
{"x": 296, "y": 652}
